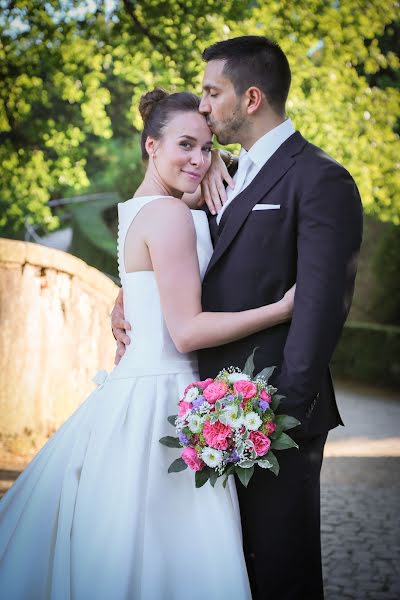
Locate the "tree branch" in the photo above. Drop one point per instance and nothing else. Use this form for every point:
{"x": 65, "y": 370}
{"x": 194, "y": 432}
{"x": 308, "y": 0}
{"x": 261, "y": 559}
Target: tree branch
{"x": 157, "y": 41}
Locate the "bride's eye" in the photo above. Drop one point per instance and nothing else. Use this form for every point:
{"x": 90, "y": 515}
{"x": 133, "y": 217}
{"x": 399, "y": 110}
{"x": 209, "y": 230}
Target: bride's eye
{"x": 185, "y": 145}
{"x": 207, "y": 149}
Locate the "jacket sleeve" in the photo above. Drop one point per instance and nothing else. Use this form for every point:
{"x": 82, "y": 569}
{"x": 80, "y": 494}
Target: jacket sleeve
{"x": 328, "y": 241}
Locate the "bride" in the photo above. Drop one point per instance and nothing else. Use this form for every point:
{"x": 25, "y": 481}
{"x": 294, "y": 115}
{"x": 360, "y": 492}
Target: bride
{"x": 96, "y": 515}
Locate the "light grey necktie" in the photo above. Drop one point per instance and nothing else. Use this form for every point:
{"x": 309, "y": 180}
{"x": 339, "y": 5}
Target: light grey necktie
{"x": 245, "y": 164}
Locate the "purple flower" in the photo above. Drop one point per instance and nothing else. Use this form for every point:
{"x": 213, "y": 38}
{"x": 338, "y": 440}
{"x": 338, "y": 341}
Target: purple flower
{"x": 197, "y": 402}
{"x": 234, "y": 457}
{"x": 183, "y": 438}
{"x": 263, "y": 404}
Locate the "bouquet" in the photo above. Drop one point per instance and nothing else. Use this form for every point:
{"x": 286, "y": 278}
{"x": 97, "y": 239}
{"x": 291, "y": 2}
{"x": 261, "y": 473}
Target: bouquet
{"x": 228, "y": 425}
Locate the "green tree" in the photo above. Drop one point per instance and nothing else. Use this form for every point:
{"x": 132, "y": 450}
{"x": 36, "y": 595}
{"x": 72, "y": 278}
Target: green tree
{"x": 51, "y": 99}
{"x": 73, "y": 78}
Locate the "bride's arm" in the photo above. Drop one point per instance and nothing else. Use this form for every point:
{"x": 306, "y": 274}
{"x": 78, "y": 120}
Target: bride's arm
{"x": 171, "y": 240}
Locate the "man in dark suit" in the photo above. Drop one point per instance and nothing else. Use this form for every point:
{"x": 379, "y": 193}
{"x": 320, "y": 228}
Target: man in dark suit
{"x": 294, "y": 216}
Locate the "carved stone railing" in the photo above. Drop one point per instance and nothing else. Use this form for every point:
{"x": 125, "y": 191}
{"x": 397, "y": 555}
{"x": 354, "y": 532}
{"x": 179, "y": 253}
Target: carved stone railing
{"x": 54, "y": 335}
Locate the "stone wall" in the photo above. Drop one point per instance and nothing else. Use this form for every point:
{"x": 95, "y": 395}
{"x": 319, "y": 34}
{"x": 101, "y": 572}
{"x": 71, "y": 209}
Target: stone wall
{"x": 54, "y": 335}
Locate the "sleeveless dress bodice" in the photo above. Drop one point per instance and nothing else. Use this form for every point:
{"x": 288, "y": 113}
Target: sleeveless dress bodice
{"x": 151, "y": 347}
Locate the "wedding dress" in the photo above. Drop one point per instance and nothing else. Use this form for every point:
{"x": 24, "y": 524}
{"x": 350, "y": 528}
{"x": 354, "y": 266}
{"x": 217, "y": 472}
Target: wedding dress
{"x": 96, "y": 516}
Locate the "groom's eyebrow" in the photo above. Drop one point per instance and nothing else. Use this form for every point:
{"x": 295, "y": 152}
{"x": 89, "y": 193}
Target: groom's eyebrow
{"x": 209, "y": 86}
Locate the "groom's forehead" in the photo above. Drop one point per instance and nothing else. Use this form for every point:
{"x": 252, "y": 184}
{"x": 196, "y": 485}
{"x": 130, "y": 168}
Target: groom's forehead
{"x": 214, "y": 75}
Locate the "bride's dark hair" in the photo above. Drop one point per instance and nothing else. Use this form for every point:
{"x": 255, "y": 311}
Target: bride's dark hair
{"x": 158, "y": 107}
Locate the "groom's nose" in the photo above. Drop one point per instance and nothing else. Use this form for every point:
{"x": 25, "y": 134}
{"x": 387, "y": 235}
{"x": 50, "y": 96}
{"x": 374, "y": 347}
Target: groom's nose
{"x": 205, "y": 107}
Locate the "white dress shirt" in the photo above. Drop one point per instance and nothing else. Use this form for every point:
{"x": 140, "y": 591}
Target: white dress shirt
{"x": 258, "y": 154}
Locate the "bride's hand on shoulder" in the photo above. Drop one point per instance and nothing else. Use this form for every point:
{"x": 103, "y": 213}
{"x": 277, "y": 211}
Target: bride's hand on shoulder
{"x": 213, "y": 191}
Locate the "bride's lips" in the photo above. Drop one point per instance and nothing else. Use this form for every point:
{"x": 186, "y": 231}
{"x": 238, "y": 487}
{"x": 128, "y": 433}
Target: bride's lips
{"x": 192, "y": 175}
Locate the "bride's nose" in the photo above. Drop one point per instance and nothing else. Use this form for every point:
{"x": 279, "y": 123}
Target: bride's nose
{"x": 197, "y": 157}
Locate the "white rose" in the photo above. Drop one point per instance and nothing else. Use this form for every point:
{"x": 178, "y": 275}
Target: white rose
{"x": 191, "y": 394}
{"x": 234, "y": 377}
{"x": 212, "y": 457}
{"x": 194, "y": 423}
{"x": 252, "y": 421}
{"x": 231, "y": 417}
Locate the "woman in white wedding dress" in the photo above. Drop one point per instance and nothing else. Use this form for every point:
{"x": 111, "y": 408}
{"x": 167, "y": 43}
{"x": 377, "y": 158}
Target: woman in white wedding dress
{"x": 96, "y": 516}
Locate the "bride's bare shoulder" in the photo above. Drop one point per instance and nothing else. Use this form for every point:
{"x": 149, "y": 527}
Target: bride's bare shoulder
{"x": 167, "y": 212}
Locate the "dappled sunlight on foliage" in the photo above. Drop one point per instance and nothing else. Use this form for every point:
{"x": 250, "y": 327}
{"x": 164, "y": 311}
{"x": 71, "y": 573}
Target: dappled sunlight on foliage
{"x": 72, "y": 80}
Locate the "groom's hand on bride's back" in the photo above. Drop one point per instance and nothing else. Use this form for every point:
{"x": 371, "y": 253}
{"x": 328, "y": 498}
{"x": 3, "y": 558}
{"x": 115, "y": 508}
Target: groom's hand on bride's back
{"x": 120, "y": 327}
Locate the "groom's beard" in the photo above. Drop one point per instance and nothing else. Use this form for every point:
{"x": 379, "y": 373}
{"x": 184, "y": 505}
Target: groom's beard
{"x": 227, "y": 131}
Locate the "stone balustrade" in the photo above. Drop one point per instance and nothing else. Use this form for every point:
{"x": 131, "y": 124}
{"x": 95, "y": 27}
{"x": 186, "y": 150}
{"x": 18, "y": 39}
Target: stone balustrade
{"x": 54, "y": 335}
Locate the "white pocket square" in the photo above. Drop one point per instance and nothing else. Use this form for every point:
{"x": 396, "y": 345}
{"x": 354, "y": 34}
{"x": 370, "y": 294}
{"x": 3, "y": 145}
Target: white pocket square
{"x": 266, "y": 206}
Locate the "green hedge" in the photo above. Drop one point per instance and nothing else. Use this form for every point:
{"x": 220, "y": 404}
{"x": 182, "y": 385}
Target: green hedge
{"x": 368, "y": 353}
{"x": 92, "y": 240}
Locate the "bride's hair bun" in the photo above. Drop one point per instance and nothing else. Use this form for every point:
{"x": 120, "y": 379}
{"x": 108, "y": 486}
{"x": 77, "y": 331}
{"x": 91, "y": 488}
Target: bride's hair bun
{"x": 149, "y": 101}
{"x": 158, "y": 107}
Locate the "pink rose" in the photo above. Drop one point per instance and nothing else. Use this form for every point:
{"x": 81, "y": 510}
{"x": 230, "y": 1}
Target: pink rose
{"x": 205, "y": 383}
{"x": 216, "y": 434}
{"x": 192, "y": 459}
{"x": 265, "y": 396}
{"x": 246, "y": 388}
{"x": 215, "y": 391}
{"x": 260, "y": 441}
{"x": 184, "y": 407}
{"x": 269, "y": 427}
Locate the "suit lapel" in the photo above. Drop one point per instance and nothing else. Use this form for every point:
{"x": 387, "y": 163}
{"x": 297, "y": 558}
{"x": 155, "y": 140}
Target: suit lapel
{"x": 273, "y": 170}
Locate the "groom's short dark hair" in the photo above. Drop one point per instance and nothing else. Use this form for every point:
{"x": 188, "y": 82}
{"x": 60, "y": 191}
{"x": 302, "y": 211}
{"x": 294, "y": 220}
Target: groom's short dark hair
{"x": 254, "y": 60}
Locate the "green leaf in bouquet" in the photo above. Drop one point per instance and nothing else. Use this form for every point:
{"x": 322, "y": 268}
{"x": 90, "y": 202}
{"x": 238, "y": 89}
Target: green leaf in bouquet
{"x": 253, "y": 454}
{"x": 286, "y": 422}
{"x": 248, "y": 368}
{"x": 201, "y": 477}
{"x": 171, "y": 419}
{"x": 270, "y": 457}
{"x": 171, "y": 442}
{"x": 244, "y": 475}
{"x": 240, "y": 447}
{"x": 223, "y": 419}
{"x": 218, "y": 405}
{"x": 283, "y": 442}
{"x": 228, "y": 472}
{"x": 276, "y": 400}
{"x": 214, "y": 418}
{"x": 246, "y": 464}
{"x": 177, "y": 466}
{"x": 213, "y": 477}
{"x": 265, "y": 464}
{"x": 266, "y": 373}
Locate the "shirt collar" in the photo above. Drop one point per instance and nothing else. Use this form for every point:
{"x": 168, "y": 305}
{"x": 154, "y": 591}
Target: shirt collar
{"x": 269, "y": 143}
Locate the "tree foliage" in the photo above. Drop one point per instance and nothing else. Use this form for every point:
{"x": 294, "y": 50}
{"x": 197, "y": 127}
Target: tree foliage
{"x": 73, "y": 72}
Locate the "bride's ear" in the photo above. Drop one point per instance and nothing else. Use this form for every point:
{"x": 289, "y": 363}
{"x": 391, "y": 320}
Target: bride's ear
{"x": 150, "y": 146}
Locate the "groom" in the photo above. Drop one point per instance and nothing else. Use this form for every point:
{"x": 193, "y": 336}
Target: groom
{"x": 294, "y": 216}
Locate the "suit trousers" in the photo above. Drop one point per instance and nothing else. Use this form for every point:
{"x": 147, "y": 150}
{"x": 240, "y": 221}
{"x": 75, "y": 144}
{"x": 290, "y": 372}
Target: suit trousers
{"x": 281, "y": 525}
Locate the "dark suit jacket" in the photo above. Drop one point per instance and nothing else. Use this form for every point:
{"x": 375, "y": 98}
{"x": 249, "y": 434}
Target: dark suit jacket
{"x": 313, "y": 239}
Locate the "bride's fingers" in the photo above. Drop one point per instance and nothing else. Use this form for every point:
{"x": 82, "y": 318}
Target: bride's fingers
{"x": 207, "y": 197}
{"x": 118, "y": 322}
{"x": 217, "y": 200}
{"x": 229, "y": 179}
{"x": 121, "y": 337}
{"x": 221, "y": 191}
